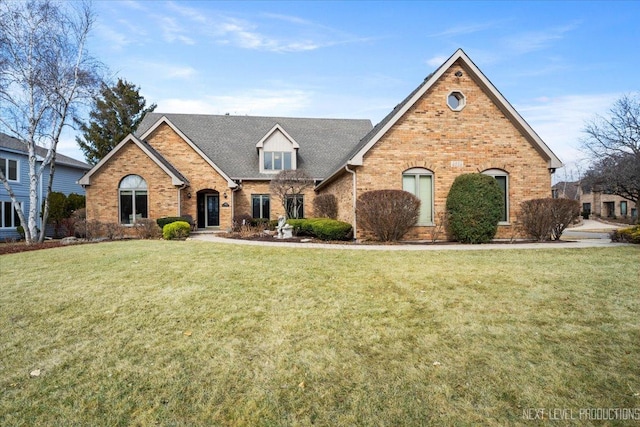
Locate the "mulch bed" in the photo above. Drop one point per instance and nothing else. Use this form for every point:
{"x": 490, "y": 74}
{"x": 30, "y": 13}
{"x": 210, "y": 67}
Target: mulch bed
{"x": 16, "y": 247}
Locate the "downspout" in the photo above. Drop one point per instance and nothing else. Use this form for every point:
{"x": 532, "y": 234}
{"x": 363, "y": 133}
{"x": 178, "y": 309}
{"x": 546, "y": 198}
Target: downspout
{"x": 182, "y": 187}
{"x": 353, "y": 194}
{"x": 238, "y": 187}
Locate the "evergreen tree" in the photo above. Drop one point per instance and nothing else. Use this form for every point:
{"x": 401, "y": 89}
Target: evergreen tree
{"x": 116, "y": 113}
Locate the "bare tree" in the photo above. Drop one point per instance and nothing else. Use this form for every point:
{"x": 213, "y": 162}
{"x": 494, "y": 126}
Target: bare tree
{"x": 290, "y": 184}
{"x": 45, "y": 74}
{"x": 614, "y": 145}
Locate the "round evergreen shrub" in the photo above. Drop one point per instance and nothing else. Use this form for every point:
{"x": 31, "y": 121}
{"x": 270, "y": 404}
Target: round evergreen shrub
{"x": 474, "y": 206}
{"x": 176, "y": 230}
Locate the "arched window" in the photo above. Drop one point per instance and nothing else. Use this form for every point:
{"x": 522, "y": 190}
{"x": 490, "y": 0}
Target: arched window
{"x": 133, "y": 199}
{"x": 419, "y": 182}
{"x": 503, "y": 181}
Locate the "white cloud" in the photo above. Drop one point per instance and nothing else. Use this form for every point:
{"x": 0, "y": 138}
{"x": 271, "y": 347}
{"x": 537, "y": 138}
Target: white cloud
{"x": 537, "y": 40}
{"x": 464, "y": 29}
{"x": 166, "y": 71}
{"x": 437, "y": 61}
{"x": 559, "y": 121}
{"x": 258, "y": 102}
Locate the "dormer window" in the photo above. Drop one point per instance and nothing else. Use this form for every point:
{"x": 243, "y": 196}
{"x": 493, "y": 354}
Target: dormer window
{"x": 277, "y": 151}
{"x": 277, "y": 160}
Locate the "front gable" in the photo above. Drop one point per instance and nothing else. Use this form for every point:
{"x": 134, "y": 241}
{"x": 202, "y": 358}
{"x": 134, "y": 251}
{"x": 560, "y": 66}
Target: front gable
{"x": 460, "y": 66}
{"x": 277, "y": 151}
{"x": 173, "y": 149}
{"x": 176, "y": 177}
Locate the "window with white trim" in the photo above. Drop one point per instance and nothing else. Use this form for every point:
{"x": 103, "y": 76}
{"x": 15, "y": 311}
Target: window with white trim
{"x": 8, "y": 215}
{"x": 133, "y": 199}
{"x": 456, "y": 101}
{"x": 277, "y": 160}
{"x": 9, "y": 168}
{"x": 503, "y": 181}
{"x": 419, "y": 182}
{"x": 260, "y": 206}
{"x": 295, "y": 206}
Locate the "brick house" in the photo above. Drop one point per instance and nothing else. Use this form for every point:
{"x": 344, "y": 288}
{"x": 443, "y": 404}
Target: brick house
{"x": 597, "y": 202}
{"x": 216, "y": 167}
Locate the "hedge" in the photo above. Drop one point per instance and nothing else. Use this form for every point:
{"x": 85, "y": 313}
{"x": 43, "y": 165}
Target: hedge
{"x": 322, "y": 228}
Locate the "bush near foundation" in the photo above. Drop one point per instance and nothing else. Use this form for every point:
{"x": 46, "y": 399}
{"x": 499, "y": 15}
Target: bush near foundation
{"x": 322, "y": 228}
{"x": 474, "y": 207}
{"x": 627, "y": 235}
{"x": 325, "y": 206}
{"x": 546, "y": 219}
{"x": 176, "y": 230}
{"x": 169, "y": 219}
{"x": 387, "y": 214}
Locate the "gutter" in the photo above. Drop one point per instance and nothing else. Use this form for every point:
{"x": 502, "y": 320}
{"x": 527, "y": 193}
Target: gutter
{"x": 353, "y": 193}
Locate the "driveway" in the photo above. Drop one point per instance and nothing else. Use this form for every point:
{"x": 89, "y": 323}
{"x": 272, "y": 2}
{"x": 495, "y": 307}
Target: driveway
{"x": 589, "y": 229}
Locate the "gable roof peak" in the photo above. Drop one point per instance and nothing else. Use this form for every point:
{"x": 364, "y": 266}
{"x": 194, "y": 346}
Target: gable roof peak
{"x": 274, "y": 129}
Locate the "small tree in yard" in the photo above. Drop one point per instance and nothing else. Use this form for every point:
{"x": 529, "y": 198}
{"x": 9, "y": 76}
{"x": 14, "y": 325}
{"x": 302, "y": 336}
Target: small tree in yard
{"x": 546, "y": 219}
{"x": 290, "y": 184}
{"x": 388, "y": 214}
{"x": 474, "y": 207}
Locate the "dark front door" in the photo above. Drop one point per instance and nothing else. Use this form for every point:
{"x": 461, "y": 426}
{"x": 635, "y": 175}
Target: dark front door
{"x": 208, "y": 210}
{"x": 213, "y": 210}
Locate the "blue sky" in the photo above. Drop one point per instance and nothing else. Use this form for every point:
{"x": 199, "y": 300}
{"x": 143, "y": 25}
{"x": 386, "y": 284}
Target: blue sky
{"x": 558, "y": 63}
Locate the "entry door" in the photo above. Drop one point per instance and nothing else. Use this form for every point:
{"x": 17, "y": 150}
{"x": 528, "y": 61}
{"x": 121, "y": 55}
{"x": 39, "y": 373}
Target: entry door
{"x": 212, "y": 203}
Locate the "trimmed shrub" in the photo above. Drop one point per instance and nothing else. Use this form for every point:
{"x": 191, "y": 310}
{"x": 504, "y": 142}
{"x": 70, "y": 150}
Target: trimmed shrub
{"x": 75, "y": 202}
{"x": 546, "y": 219}
{"x": 147, "y": 229}
{"x": 176, "y": 230}
{"x": 388, "y": 214}
{"x": 301, "y": 227}
{"x": 325, "y": 206}
{"x": 474, "y": 208}
{"x": 322, "y": 228}
{"x": 331, "y": 229}
{"x": 169, "y": 219}
{"x": 626, "y": 235}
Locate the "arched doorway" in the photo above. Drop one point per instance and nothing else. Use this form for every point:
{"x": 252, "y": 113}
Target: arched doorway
{"x": 208, "y": 208}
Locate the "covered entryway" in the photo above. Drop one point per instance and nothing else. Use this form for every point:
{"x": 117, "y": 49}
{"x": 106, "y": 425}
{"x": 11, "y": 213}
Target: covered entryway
{"x": 208, "y": 208}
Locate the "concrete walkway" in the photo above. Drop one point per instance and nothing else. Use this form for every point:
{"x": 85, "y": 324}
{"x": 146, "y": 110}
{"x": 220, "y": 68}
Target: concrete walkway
{"x": 597, "y": 232}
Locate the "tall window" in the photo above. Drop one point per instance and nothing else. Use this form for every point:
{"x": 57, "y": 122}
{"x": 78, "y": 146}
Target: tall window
{"x": 133, "y": 199}
{"x": 623, "y": 208}
{"x": 8, "y": 215}
{"x": 295, "y": 206}
{"x": 9, "y": 168}
{"x": 419, "y": 182}
{"x": 277, "y": 160}
{"x": 260, "y": 205}
{"x": 503, "y": 181}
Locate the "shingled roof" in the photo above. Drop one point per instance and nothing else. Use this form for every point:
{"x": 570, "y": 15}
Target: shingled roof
{"x": 230, "y": 141}
{"x": 14, "y": 144}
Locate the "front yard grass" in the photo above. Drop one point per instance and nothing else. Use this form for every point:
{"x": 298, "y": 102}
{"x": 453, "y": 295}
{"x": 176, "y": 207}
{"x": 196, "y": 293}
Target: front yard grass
{"x": 196, "y": 333}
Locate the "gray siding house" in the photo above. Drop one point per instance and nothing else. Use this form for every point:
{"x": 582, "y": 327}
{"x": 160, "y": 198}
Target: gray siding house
{"x": 14, "y": 163}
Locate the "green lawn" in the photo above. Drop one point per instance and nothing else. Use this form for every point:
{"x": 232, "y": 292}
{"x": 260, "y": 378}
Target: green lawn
{"x": 196, "y": 333}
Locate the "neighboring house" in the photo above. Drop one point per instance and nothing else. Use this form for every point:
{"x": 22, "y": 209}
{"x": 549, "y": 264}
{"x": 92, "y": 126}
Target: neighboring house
{"x": 14, "y": 163}
{"x": 596, "y": 202}
{"x": 216, "y": 167}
